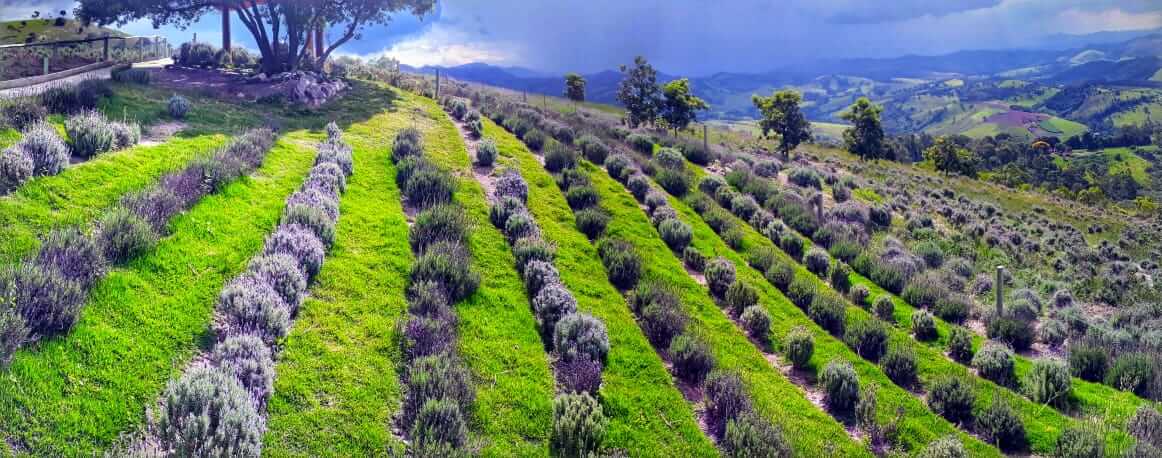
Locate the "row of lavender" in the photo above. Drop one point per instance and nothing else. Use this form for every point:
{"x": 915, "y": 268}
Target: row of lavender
{"x": 438, "y": 393}
{"x": 43, "y": 297}
{"x": 218, "y": 406}
{"x": 578, "y": 340}
{"x": 41, "y": 151}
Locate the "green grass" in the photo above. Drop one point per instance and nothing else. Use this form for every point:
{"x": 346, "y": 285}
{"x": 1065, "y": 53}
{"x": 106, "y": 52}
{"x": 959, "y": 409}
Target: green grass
{"x": 14, "y": 31}
{"x": 80, "y": 193}
{"x": 75, "y": 394}
{"x": 498, "y": 337}
{"x": 919, "y": 427}
{"x": 646, "y": 410}
{"x": 1063, "y": 128}
{"x": 336, "y": 391}
{"x": 810, "y": 430}
{"x": 8, "y": 137}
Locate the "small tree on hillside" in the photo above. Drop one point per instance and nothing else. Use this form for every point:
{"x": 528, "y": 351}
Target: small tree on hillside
{"x": 574, "y": 87}
{"x": 680, "y": 106}
{"x": 279, "y": 27}
{"x": 782, "y": 116}
{"x": 948, "y": 157}
{"x": 865, "y": 138}
{"x": 639, "y": 93}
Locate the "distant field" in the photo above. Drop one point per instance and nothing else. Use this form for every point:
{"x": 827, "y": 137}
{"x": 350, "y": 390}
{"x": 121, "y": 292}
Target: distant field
{"x": 1119, "y": 159}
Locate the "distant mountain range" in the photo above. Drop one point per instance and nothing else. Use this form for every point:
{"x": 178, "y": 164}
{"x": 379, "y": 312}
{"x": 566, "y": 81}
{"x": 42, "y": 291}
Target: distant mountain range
{"x": 909, "y": 82}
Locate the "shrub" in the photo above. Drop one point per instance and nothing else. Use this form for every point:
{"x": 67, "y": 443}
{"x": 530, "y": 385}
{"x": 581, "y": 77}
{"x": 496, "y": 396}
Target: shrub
{"x": 924, "y": 326}
{"x": 719, "y": 276}
{"x": 622, "y": 263}
{"x": 757, "y": 322}
{"x": 552, "y": 303}
{"x": 661, "y": 314}
{"x": 639, "y": 185}
{"x": 1077, "y": 442}
{"x": 801, "y": 291}
{"x": 693, "y": 259}
{"x": 953, "y": 307}
{"x": 486, "y": 153}
{"x": 301, "y": 244}
{"x": 48, "y": 303}
{"x": 559, "y": 157}
{"x": 792, "y": 245}
{"x": 511, "y": 184}
{"x": 409, "y": 142}
{"x": 438, "y": 376}
{"x": 655, "y": 199}
{"x": 994, "y": 361}
{"x": 178, "y": 106}
{"x": 840, "y": 280}
{"x": 281, "y": 272}
{"x": 578, "y": 425}
{"x": 691, "y": 357}
{"x": 734, "y": 237}
{"x": 1015, "y": 332}
{"x": 316, "y": 221}
{"x": 449, "y": 266}
{"x": 641, "y": 143}
{"x": 535, "y": 139}
{"x": 1049, "y": 383}
{"x": 428, "y": 187}
{"x": 499, "y": 213}
{"x": 740, "y": 296}
{"x": 529, "y": 249}
{"x": 829, "y": 313}
{"x": 580, "y": 335}
{"x": 428, "y": 335}
{"x": 710, "y": 184}
{"x": 538, "y": 274}
{"x": 250, "y": 306}
{"x": 15, "y": 168}
{"x": 859, "y": 294}
{"x": 249, "y": 360}
{"x": 805, "y": 177}
{"x": 125, "y": 134}
{"x": 441, "y": 223}
{"x": 925, "y": 290}
{"x": 840, "y": 386}
{"x": 580, "y": 375}
{"x": 1088, "y": 363}
{"x": 945, "y": 447}
{"x": 899, "y": 363}
{"x": 673, "y": 181}
{"x": 337, "y": 153}
{"x": 439, "y": 425}
{"x": 13, "y": 330}
{"x": 581, "y": 197}
{"x": 799, "y": 347}
{"x": 726, "y": 400}
{"x": 960, "y": 345}
{"x": 781, "y": 275}
{"x": 123, "y": 235}
{"x": 617, "y": 164}
{"x": 952, "y": 397}
{"x": 1146, "y": 426}
{"x": 208, "y": 413}
{"x": 868, "y": 337}
{"x": 1132, "y": 372}
{"x": 327, "y": 177}
{"x": 592, "y": 221}
{"x": 48, "y": 152}
{"x": 593, "y": 148}
{"x": 1001, "y": 426}
{"x": 884, "y": 308}
{"x": 22, "y": 112}
{"x": 818, "y": 262}
{"x": 73, "y": 255}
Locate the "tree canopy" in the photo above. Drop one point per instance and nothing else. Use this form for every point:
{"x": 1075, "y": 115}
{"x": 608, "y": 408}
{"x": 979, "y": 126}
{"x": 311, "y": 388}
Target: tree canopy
{"x": 680, "y": 106}
{"x": 639, "y": 93}
{"x": 781, "y": 115}
{"x": 948, "y": 157}
{"x": 574, "y": 87}
{"x": 865, "y": 138}
{"x": 279, "y": 27}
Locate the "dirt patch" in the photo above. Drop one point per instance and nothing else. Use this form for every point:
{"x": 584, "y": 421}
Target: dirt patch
{"x": 159, "y": 133}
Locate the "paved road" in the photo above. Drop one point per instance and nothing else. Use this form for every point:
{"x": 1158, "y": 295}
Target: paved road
{"x": 100, "y": 73}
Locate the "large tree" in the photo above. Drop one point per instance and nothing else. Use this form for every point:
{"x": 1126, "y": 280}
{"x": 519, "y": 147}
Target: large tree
{"x": 279, "y": 27}
{"x": 781, "y": 115}
{"x": 948, "y": 157}
{"x": 639, "y": 93}
{"x": 679, "y": 105}
{"x": 865, "y": 137}
{"x": 574, "y": 87}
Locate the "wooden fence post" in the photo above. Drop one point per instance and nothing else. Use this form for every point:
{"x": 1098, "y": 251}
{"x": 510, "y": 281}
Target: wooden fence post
{"x": 1000, "y": 293}
{"x": 105, "y": 52}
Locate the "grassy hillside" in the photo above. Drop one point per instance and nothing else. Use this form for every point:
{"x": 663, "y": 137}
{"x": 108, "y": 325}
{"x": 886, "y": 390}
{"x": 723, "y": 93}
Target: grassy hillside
{"x": 38, "y": 30}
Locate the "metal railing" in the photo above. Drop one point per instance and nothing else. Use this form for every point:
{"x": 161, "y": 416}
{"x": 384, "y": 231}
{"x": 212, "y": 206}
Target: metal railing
{"x": 41, "y": 58}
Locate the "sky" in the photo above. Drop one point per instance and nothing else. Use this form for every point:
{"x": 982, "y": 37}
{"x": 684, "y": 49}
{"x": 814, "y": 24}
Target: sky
{"x": 696, "y": 37}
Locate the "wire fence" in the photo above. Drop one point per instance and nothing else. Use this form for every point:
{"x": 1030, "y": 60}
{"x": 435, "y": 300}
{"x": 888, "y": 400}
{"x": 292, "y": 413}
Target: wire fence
{"x": 41, "y": 58}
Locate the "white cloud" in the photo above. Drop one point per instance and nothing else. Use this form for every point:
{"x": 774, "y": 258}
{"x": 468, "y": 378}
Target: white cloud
{"x": 448, "y": 46}
{"x": 1077, "y": 21}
